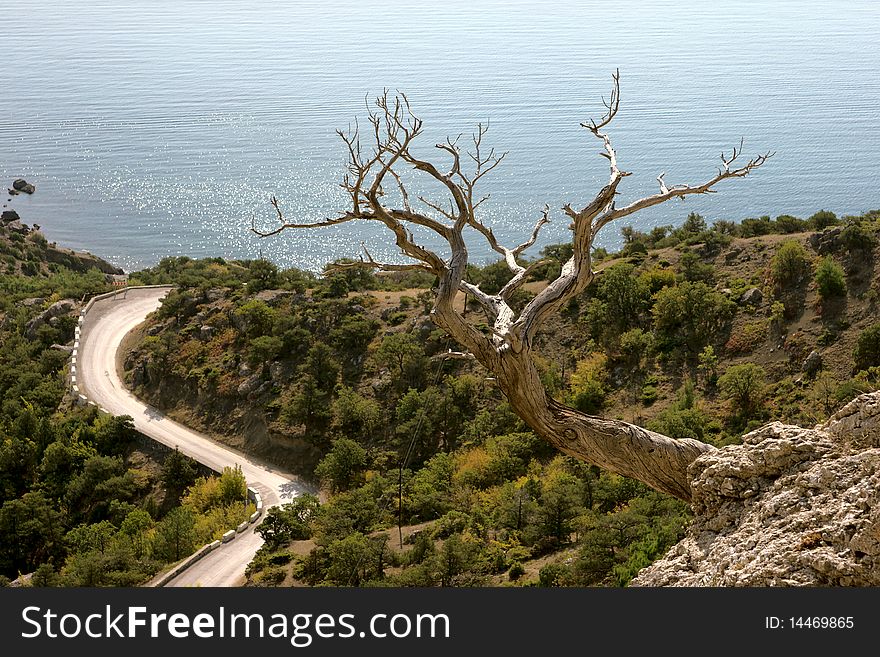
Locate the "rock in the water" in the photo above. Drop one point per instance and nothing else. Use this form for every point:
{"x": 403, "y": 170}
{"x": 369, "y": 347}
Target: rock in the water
{"x": 812, "y": 364}
{"x": 22, "y": 185}
{"x": 752, "y": 297}
{"x": 789, "y": 507}
{"x": 8, "y": 216}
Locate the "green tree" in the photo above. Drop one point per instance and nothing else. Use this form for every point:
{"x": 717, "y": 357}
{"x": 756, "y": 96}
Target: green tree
{"x": 178, "y": 473}
{"x": 176, "y": 534}
{"x": 232, "y": 486}
{"x": 690, "y": 315}
{"x": 255, "y": 318}
{"x": 589, "y": 383}
{"x": 790, "y": 265}
{"x": 349, "y": 560}
{"x": 264, "y": 275}
{"x": 32, "y": 533}
{"x": 289, "y": 522}
{"x": 113, "y": 433}
{"x": 343, "y": 466}
{"x": 867, "y": 351}
{"x": 744, "y": 385}
{"x": 830, "y": 280}
{"x": 264, "y": 349}
{"x": 822, "y": 219}
{"x": 560, "y": 499}
{"x": 708, "y": 366}
{"x": 322, "y": 365}
{"x": 134, "y": 528}
{"x": 402, "y": 353}
{"x": 355, "y": 415}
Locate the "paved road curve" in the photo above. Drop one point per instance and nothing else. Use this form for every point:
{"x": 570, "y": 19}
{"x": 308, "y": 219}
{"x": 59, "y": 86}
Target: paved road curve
{"x": 105, "y": 326}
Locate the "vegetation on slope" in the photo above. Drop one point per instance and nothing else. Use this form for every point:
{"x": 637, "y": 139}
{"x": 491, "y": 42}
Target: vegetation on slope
{"x": 83, "y": 502}
{"x": 693, "y": 331}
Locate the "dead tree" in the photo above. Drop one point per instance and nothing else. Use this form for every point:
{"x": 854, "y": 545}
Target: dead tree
{"x": 376, "y": 175}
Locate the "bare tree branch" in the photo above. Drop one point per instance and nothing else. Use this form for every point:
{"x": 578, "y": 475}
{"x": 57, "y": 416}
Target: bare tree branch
{"x": 506, "y": 349}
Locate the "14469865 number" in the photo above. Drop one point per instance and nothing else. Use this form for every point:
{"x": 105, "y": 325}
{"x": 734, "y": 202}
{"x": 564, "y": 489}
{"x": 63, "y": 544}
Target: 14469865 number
{"x": 821, "y": 622}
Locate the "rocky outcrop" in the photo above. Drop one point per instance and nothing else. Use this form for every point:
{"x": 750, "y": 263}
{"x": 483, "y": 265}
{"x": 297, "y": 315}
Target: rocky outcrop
{"x": 57, "y": 309}
{"x": 828, "y": 241}
{"x": 79, "y": 261}
{"x": 752, "y": 297}
{"x": 812, "y": 364}
{"x": 8, "y": 216}
{"x": 790, "y": 506}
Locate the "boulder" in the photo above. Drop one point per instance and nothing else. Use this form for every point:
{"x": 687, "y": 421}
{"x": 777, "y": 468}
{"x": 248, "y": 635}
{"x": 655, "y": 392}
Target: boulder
{"x": 273, "y": 297}
{"x": 812, "y": 364}
{"x": 22, "y": 185}
{"x": 57, "y": 309}
{"x": 790, "y": 506}
{"x": 207, "y": 332}
{"x": 18, "y": 227}
{"x": 827, "y": 241}
{"x": 215, "y": 294}
{"x": 249, "y": 385}
{"x": 752, "y": 297}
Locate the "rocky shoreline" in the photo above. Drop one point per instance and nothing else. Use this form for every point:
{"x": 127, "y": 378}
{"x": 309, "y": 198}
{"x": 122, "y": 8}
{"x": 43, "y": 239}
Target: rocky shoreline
{"x": 11, "y": 224}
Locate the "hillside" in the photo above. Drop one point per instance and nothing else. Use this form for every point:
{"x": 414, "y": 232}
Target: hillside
{"x": 84, "y": 499}
{"x": 692, "y": 331}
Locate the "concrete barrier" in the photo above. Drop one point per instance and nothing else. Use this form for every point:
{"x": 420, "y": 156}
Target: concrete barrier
{"x": 254, "y": 517}
{"x": 228, "y": 536}
{"x": 242, "y": 527}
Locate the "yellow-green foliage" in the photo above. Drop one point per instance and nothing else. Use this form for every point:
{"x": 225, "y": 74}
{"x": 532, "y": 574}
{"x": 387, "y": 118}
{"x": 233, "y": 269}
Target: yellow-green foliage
{"x": 588, "y": 383}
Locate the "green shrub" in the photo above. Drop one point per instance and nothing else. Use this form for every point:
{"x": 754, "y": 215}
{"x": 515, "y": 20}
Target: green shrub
{"x": 867, "y": 351}
{"x": 822, "y": 219}
{"x": 830, "y": 280}
{"x": 588, "y": 383}
{"x": 790, "y": 264}
{"x": 744, "y": 386}
{"x": 690, "y": 315}
{"x": 516, "y": 571}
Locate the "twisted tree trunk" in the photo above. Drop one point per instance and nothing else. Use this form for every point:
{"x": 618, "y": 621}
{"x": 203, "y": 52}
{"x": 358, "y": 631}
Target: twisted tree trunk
{"x": 373, "y": 182}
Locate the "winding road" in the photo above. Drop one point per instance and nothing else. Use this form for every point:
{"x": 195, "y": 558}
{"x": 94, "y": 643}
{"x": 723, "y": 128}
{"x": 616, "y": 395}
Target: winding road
{"x": 104, "y": 328}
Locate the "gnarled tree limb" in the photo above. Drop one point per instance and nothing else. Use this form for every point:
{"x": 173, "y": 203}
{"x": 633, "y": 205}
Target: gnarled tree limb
{"x": 657, "y": 460}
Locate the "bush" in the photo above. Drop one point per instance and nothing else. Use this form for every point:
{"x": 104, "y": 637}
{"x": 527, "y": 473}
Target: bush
{"x": 516, "y": 571}
{"x": 588, "y": 383}
{"x": 830, "y": 281}
{"x": 690, "y": 315}
{"x": 744, "y": 386}
{"x": 748, "y": 338}
{"x": 822, "y": 219}
{"x": 264, "y": 349}
{"x": 790, "y": 264}
{"x": 867, "y": 350}
{"x": 856, "y": 237}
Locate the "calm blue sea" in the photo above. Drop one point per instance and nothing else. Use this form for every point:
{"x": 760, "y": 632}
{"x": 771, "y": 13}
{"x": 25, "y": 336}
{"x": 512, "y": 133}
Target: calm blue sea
{"x": 159, "y": 128}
